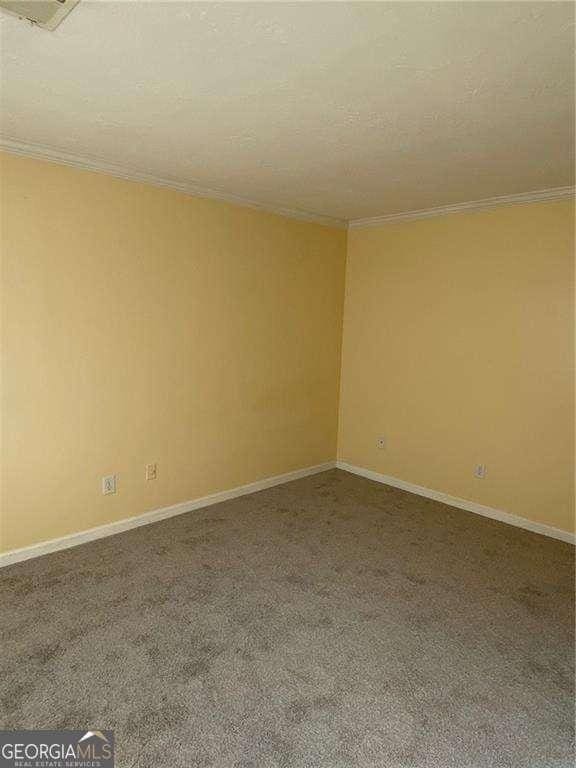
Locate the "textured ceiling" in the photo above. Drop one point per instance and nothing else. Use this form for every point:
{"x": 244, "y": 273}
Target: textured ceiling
{"x": 344, "y": 109}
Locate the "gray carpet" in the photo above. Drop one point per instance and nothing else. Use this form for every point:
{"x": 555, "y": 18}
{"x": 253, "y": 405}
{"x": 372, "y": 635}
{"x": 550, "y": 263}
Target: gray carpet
{"x": 329, "y": 622}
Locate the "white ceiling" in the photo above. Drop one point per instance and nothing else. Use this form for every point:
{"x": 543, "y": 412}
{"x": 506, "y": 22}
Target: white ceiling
{"x": 345, "y": 109}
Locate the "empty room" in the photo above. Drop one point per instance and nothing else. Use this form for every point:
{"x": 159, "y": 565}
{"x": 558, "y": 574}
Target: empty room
{"x": 287, "y": 384}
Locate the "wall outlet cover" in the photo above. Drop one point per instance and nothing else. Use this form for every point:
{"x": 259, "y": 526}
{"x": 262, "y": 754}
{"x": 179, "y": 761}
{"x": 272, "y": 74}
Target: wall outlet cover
{"x": 109, "y": 484}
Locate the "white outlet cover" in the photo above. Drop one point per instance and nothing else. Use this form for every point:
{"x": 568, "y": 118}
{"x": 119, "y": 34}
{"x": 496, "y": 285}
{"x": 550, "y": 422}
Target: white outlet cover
{"x": 109, "y": 484}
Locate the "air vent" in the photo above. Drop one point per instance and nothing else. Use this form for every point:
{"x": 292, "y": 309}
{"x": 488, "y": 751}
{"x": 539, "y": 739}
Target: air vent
{"x": 44, "y": 13}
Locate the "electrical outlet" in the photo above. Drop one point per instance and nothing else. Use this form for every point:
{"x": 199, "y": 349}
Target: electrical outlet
{"x": 381, "y": 443}
{"x": 151, "y": 471}
{"x": 480, "y": 471}
{"x": 109, "y": 484}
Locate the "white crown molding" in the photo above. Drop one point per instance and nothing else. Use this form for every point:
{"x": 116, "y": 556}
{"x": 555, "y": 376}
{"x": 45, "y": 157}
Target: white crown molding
{"x": 454, "y": 501}
{"x": 41, "y": 152}
{"x": 540, "y": 196}
{"x": 102, "y": 531}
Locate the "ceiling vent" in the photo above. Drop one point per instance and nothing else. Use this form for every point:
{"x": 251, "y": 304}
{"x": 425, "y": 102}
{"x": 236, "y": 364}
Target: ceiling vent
{"x": 43, "y": 13}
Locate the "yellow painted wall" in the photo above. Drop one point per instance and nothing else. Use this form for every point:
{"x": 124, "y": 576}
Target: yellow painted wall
{"x": 142, "y": 325}
{"x": 459, "y": 348}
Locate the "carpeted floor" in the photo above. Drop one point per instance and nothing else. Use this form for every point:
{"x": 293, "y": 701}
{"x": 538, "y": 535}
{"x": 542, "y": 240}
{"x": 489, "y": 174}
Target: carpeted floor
{"x": 330, "y": 622}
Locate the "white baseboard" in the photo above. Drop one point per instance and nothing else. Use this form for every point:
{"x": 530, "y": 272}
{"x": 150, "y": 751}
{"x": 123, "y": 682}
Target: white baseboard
{"x": 73, "y": 539}
{"x": 454, "y": 501}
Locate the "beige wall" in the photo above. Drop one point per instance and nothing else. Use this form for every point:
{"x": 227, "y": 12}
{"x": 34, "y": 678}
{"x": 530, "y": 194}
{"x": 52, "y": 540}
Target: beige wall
{"x": 458, "y": 348}
{"x": 142, "y": 325}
